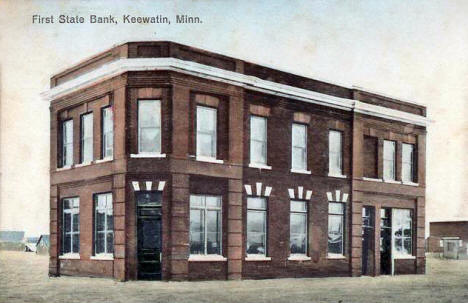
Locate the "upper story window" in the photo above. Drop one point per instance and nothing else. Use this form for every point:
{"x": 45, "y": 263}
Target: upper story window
{"x": 205, "y": 225}
{"x": 256, "y": 226}
{"x": 407, "y": 163}
{"x": 86, "y": 138}
{"x": 206, "y": 132}
{"x": 299, "y": 147}
{"x": 335, "y": 153}
{"x": 335, "y": 228}
{"x": 258, "y": 140}
{"x": 103, "y": 224}
{"x": 149, "y": 126}
{"x": 70, "y": 225}
{"x": 389, "y": 153}
{"x": 298, "y": 228}
{"x": 67, "y": 143}
{"x": 107, "y": 136}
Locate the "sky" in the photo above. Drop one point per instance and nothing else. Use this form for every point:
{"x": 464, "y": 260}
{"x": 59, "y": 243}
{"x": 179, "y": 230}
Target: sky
{"x": 413, "y": 50}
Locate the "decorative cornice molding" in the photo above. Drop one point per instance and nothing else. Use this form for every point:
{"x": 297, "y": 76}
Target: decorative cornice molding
{"x": 115, "y": 68}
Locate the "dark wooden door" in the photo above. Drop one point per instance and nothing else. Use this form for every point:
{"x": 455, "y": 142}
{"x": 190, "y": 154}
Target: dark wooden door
{"x": 149, "y": 236}
{"x": 385, "y": 241}
{"x": 368, "y": 242}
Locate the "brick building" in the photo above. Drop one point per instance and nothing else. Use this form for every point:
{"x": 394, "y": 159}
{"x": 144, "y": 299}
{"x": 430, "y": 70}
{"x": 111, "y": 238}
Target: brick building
{"x": 170, "y": 162}
{"x": 448, "y": 233}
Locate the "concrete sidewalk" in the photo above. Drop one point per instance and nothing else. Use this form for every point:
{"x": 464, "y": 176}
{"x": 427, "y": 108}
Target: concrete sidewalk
{"x": 23, "y": 278}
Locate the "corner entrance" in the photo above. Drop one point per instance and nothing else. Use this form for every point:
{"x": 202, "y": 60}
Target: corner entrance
{"x": 368, "y": 242}
{"x": 149, "y": 234}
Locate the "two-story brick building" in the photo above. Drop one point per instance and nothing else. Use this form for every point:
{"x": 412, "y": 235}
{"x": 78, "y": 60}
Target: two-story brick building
{"x": 170, "y": 162}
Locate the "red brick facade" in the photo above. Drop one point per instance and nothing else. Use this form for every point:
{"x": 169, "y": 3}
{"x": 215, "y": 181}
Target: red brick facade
{"x": 182, "y": 175}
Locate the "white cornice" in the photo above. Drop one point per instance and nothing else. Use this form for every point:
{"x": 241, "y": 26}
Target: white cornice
{"x": 121, "y": 66}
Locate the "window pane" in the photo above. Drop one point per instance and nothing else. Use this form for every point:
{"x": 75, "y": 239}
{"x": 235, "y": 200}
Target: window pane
{"x": 100, "y": 220}
{"x": 335, "y": 234}
{"x": 67, "y": 143}
{"x": 389, "y": 160}
{"x": 256, "y": 233}
{"x": 299, "y": 135}
{"x": 107, "y": 132}
{"x": 76, "y": 222}
{"x": 206, "y": 119}
{"x": 335, "y": 208}
{"x": 206, "y": 145}
{"x": 256, "y": 203}
{"x": 407, "y": 162}
{"x": 299, "y": 158}
{"x": 407, "y": 246}
{"x": 197, "y": 229}
{"x": 212, "y": 201}
{"x": 298, "y": 233}
{"x": 149, "y": 198}
{"x": 258, "y": 128}
{"x": 66, "y": 244}
{"x": 110, "y": 243}
{"x": 66, "y": 222}
{"x": 197, "y": 201}
{"x": 100, "y": 248}
{"x": 87, "y": 138}
{"x": 335, "y": 141}
{"x": 258, "y": 152}
{"x": 402, "y": 223}
{"x": 150, "y": 140}
{"x": 213, "y": 228}
{"x": 76, "y": 243}
{"x": 335, "y": 152}
{"x": 298, "y": 206}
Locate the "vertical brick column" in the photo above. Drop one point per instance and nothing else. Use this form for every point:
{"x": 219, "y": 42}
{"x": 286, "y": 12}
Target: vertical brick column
{"x": 420, "y": 234}
{"x": 356, "y": 234}
{"x": 54, "y": 247}
{"x": 118, "y": 187}
{"x": 234, "y": 241}
{"x": 179, "y": 230}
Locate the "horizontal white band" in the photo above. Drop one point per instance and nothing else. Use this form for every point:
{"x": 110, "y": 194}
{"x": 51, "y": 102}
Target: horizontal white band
{"x": 120, "y": 66}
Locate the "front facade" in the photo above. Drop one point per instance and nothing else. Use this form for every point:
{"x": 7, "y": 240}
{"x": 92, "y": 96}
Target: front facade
{"x": 173, "y": 163}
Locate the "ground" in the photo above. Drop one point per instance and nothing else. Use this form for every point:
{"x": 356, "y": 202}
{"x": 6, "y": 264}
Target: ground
{"x": 23, "y": 278}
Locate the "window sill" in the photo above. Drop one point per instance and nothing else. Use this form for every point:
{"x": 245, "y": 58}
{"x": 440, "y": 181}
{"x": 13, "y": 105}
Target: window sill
{"x": 257, "y": 258}
{"x": 337, "y": 176}
{"x": 206, "y": 258}
{"x": 300, "y": 171}
{"x": 104, "y": 160}
{"x": 106, "y": 257}
{"x": 410, "y": 183}
{"x": 392, "y": 181}
{"x": 209, "y": 160}
{"x": 64, "y": 168}
{"x": 83, "y": 164}
{"x": 148, "y": 155}
{"x": 372, "y": 179}
{"x": 70, "y": 257}
{"x": 404, "y": 257}
{"x": 336, "y": 257}
{"x": 299, "y": 258}
{"x": 260, "y": 166}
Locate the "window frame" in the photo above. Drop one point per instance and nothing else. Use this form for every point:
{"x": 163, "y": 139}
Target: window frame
{"x": 339, "y": 153}
{"x": 106, "y": 231}
{"x": 384, "y": 159}
{"x": 205, "y": 210}
{"x": 86, "y": 140}
{"x": 306, "y": 214}
{"x": 303, "y": 148}
{"x": 139, "y": 128}
{"x": 412, "y": 164}
{"x": 264, "y": 211}
{"x": 72, "y": 211}
{"x": 67, "y": 144}
{"x": 251, "y": 139}
{"x": 105, "y": 134}
{"x": 343, "y": 230}
{"x": 214, "y": 134}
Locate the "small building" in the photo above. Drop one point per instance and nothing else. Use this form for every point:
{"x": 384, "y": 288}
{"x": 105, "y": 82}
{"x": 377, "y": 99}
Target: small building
{"x": 42, "y": 245}
{"x": 171, "y": 162}
{"x": 448, "y": 239}
{"x": 11, "y": 240}
{"x": 30, "y": 244}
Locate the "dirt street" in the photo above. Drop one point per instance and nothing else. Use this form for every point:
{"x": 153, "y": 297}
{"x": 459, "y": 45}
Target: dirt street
{"x": 23, "y": 278}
